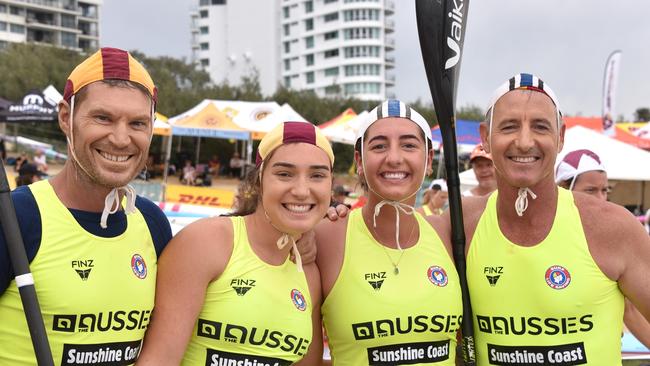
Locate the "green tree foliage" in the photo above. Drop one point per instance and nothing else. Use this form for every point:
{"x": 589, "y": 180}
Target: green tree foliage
{"x": 26, "y": 66}
{"x": 427, "y": 111}
{"x": 470, "y": 113}
{"x": 181, "y": 85}
{"x": 642, "y": 114}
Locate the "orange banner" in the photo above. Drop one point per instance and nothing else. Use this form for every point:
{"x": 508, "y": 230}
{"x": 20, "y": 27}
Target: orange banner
{"x": 203, "y": 196}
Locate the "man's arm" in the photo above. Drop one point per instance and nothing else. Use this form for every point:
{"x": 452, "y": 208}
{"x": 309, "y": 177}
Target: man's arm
{"x": 620, "y": 247}
{"x": 635, "y": 279}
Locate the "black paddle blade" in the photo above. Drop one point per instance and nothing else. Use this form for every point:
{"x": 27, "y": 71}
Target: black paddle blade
{"x": 441, "y": 27}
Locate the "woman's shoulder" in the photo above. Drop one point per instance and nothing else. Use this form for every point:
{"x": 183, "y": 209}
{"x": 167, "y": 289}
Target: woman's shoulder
{"x": 203, "y": 246}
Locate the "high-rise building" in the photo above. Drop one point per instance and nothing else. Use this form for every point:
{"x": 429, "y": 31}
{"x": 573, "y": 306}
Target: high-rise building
{"x": 332, "y": 47}
{"x": 72, "y": 24}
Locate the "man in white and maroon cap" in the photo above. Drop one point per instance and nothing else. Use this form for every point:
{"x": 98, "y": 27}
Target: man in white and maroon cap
{"x": 582, "y": 171}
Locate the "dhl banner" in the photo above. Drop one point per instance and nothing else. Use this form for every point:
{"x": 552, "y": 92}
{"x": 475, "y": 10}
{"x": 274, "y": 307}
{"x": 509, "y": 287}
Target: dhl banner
{"x": 203, "y": 196}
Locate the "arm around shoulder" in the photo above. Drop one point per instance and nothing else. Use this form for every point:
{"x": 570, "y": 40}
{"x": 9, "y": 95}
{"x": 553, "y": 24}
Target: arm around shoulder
{"x": 194, "y": 258}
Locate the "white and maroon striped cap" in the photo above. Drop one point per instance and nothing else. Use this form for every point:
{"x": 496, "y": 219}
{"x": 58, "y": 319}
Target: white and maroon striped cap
{"x": 577, "y": 162}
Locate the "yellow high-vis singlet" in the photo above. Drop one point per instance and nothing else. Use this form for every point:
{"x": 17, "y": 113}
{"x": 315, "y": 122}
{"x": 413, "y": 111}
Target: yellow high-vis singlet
{"x": 427, "y": 210}
{"x": 374, "y": 316}
{"x": 96, "y": 294}
{"x": 549, "y": 304}
{"x": 254, "y": 313}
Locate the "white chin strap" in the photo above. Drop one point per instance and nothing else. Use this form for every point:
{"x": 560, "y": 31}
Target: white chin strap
{"x": 521, "y": 203}
{"x": 398, "y": 206}
{"x": 285, "y": 239}
{"x": 112, "y": 203}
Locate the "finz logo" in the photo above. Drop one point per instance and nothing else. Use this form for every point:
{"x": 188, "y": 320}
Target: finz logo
{"x": 298, "y": 300}
{"x": 455, "y": 33}
{"x": 437, "y": 276}
{"x": 83, "y": 267}
{"x": 557, "y": 277}
{"x": 241, "y": 286}
{"x": 139, "y": 266}
{"x": 375, "y": 279}
{"x": 492, "y": 274}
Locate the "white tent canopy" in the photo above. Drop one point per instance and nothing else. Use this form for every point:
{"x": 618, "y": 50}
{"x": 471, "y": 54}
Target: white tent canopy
{"x": 622, "y": 161}
{"x": 345, "y": 133}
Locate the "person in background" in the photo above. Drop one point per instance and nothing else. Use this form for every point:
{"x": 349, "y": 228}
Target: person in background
{"x": 189, "y": 173}
{"x": 40, "y": 160}
{"x": 28, "y": 174}
{"x": 227, "y": 292}
{"x": 483, "y": 167}
{"x": 583, "y": 171}
{"x": 435, "y": 199}
{"x": 20, "y": 161}
{"x": 340, "y": 194}
{"x": 214, "y": 165}
{"x": 236, "y": 164}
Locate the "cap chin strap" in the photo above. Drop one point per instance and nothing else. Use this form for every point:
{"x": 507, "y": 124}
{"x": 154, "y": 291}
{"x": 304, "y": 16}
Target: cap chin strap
{"x": 397, "y": 205}
{"x": 113, "y": 197}
{"x": 112, "y": 203}
{"x": 285, "y": 239}
{"x": 573, "y": 182}
{"x": 521, "y": 203}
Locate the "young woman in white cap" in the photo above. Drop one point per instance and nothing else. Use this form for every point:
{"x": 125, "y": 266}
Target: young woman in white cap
{"x": 583, "y": 171}
{"x": 435, "y": 198}
{"x": 391, "y": 291}
{"x": 227, "y": 292}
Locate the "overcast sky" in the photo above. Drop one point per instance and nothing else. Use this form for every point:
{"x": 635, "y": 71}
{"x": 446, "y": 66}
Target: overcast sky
{"x": 565, "y": 42}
